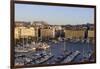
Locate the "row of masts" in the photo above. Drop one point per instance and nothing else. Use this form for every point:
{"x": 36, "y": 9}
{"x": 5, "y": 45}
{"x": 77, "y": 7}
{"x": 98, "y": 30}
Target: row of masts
{"x": 64, "y": 47}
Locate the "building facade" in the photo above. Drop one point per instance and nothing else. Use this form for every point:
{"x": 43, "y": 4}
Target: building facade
{"x": 24, "y": 32}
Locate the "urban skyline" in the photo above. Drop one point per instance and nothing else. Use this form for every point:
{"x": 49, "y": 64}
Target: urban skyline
{"x": 54, "y": 15}
{"x": 45, "y": 35}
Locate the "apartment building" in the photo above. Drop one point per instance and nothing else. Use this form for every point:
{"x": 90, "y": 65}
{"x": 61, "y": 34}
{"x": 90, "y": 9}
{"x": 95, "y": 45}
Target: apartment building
{"x": 48, "y": 33}
{"x": 24, "y": 32}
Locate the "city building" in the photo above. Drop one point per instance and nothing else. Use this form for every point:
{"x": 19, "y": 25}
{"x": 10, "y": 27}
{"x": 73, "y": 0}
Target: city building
{"x": 24, "y": 32}
{"x": 77, "y": 34}
{"x": 48, "y": 33}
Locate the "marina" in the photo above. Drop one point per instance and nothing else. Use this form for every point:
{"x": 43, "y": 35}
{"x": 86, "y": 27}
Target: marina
{"x": 53, "y": 52}
{"x": 52, "y": 34}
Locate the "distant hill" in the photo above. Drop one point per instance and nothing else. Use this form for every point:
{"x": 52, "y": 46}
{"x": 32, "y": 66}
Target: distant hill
{"x": 22, "y": 23}
{"x": 39, "y": 23}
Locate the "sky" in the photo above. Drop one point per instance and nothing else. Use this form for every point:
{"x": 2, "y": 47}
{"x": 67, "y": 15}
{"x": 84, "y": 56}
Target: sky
{"x": 54, "y": 15}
